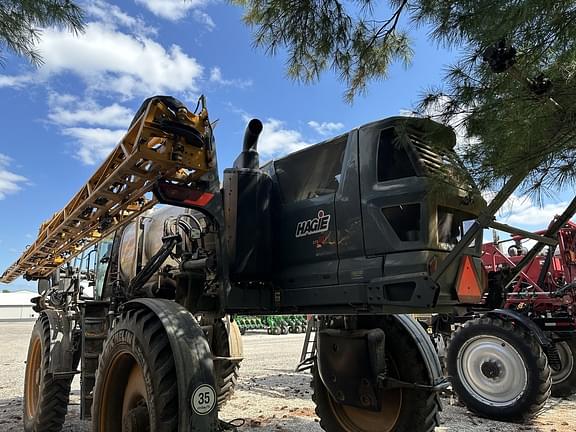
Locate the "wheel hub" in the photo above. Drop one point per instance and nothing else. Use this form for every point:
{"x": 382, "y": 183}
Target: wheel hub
{"x": 491, "y": 369}
{"x": 136, "y": 420}
{"x": 124, "y": 399}
{"x": 353, "y": 419}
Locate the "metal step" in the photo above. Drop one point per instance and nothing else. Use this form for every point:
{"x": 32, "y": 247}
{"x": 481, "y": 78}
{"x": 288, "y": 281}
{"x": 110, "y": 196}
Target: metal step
{"x": 309, "y": 348}
{"x": 95, "y": 337}
{"x": 94, "y": 333}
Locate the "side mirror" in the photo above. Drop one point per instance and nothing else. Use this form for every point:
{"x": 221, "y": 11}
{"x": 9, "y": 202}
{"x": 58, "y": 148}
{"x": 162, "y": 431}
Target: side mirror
{"x": 105, "y": 260}
{"x": 43, "y": 285}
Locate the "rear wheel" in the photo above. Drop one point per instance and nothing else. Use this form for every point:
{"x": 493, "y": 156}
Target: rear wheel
{"x": 136, "y": 387}
{"x": 403, "y": 410}
{"x": 564, "y": 380}
{"x": 45, "y": 398}
{"x": 498, "y": 370}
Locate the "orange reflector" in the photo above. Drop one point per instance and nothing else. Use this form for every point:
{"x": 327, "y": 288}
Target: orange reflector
{"x": 468, "y": 288}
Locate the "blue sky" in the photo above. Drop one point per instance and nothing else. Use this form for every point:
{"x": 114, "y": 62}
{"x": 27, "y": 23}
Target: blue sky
{"x": 59, "y": 121}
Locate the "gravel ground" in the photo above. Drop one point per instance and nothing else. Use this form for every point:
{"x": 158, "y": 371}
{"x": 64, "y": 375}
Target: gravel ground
{"x": 270, "y": 396}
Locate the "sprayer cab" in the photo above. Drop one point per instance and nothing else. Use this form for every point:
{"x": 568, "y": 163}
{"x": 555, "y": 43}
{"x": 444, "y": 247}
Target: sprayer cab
{"x": 358, "y": 223}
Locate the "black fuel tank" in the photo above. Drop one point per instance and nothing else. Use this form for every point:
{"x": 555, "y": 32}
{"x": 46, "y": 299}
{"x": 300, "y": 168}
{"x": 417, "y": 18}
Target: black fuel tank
{"x": 247, "y": 214}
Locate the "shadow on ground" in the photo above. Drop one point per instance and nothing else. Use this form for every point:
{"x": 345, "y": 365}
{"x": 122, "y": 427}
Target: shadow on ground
{"x": 301, "y": 421}
{"x": 284, "y": 386}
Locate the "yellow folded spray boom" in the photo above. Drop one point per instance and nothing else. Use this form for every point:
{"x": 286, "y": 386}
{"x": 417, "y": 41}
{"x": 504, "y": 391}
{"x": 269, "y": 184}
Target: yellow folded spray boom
{"x": 164, "y": 142}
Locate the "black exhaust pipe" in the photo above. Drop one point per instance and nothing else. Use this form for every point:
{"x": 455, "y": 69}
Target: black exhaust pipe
{"x": 249, "y": 156}
{"x": 251, "y": 135}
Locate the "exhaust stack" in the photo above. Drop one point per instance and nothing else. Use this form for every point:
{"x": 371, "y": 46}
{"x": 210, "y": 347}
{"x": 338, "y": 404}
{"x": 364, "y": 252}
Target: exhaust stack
{"x": 248, "y": 158}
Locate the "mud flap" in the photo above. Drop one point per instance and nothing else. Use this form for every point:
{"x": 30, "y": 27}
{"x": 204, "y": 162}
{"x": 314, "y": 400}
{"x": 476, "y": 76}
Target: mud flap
{"x": 197, "y": 409}
{"x": 350, "y": 366}
{"x": 61, "y": 363}
{"x": 427, "y": 351}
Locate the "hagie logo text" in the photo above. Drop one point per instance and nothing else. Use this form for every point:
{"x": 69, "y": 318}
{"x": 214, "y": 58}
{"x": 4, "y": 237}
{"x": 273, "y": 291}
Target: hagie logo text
{"x": 313, "y": 226}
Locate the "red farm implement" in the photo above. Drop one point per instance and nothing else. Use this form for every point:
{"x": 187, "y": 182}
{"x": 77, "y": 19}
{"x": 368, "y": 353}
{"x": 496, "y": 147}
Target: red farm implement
{"x": 497, "y": 351}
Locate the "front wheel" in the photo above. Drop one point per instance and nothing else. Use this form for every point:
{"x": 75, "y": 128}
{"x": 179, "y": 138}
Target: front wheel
{"x": 403, "y": 409}
{"x": 498, "y": 370}
{"x": 564, "y": 380}
{"x": 136, "y": 387}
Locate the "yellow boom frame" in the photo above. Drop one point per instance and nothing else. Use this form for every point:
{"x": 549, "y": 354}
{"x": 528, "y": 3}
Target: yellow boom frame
{"x": 156, "y": 147}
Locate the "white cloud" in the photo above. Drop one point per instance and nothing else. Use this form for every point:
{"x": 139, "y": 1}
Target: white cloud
{"x": 118, "y": 55}
{"x": 524, "y": 212}
{"x": 96, "y": 129}
{"x": 204, "y": 18}
{"x": 109, "y": 60}
{"x": 216, "y": 74}
{"x": 407, "y": 113}
{"x": 9, "y": 182}
{"x": 277, "y": 140}
{"x": 325, "y": 128}
{"x": 113, "y": 15}
{"x": 93, "y": 144}
{"x": 15, "y": 81}
{"x": 68, "y": 110}
{"x": 172, "y": 10}
{"x": 216, "y": 77}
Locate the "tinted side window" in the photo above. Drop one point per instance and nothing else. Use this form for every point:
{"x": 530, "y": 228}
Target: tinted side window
{"x": 312, "y": 172}
{"x": 393, "y": 160}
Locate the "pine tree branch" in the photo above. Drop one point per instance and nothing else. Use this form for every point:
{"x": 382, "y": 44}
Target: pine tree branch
{"x": 22, "y": 22}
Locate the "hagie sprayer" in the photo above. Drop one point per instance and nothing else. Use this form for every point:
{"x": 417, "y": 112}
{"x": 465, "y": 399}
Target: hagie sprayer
{"x": 362, "y": 229}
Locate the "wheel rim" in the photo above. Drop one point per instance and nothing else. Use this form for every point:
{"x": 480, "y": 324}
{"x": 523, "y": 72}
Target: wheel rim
{"x": 354, "y": 419}
{"x": 32, "y": 380}
{"x": 492, "y": 370}
{"x": 566, "y": 361}
{"x": 124, "y": 399}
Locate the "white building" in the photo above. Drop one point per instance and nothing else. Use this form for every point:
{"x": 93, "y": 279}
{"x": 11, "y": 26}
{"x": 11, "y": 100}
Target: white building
{"x": 16, "y": 306}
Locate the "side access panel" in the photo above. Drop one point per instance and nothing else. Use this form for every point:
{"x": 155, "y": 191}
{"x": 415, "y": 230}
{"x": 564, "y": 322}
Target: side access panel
{"x": 306, "y": 218}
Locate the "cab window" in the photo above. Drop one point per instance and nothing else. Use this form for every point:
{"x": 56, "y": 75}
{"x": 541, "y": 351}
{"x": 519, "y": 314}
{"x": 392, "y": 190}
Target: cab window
{"x": 312, "y": 172}
{"x": 102, "y": 261}
{"x": 393, "y": 159}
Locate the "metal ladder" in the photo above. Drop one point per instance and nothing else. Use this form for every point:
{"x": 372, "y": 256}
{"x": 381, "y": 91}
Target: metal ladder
{"x": 309, "y": 349}
{"x": 94, "y": 332}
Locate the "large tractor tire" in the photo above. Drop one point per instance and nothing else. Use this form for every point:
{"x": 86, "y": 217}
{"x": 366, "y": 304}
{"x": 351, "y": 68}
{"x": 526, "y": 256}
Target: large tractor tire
{"x": 564, "y": 380}
{"x": 226, "y": 371}
{"x": 136, "y": 386}
{"x": 403, "y": 409}
{"x": 45, "y": 398}
{"x": 498, "y": 369}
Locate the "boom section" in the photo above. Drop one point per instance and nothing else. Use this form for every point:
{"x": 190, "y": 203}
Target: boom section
{"x": 165, "y": 142}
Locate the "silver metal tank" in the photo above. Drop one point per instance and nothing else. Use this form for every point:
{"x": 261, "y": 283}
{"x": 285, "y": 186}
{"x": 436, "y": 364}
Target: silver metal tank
{"x": 151, "y": 230}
